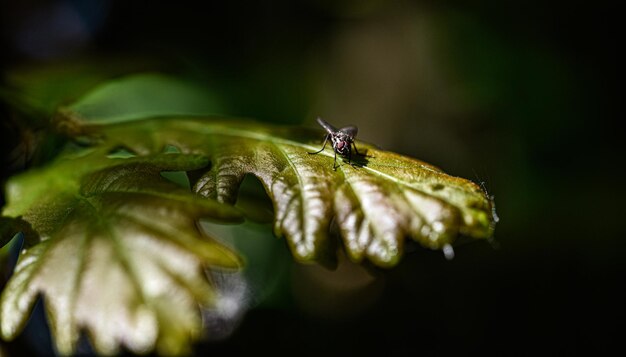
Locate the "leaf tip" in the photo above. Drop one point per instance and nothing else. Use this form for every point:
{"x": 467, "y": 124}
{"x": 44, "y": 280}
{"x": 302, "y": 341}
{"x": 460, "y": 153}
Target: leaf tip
{"x": 383, "y": 255}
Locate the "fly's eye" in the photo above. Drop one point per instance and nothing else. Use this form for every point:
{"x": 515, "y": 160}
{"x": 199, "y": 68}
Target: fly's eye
{"x": 341, "y": 144}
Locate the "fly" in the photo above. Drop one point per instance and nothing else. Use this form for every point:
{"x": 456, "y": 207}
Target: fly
{"x": 342, "y": 140}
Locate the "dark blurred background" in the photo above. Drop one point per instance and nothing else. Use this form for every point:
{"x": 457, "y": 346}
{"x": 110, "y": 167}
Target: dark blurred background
{"x": 520, "y": 95}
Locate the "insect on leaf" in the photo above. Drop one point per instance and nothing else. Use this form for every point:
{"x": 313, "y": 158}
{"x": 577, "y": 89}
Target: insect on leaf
{"x": 119, "y": 255}
{"x": 376, "y": 203}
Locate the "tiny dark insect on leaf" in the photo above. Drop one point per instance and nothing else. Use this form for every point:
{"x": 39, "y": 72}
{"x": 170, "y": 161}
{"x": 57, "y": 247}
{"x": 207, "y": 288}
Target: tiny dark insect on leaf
{"x": 341, "y": 139}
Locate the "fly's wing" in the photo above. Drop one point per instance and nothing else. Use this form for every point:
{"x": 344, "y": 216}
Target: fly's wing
{"x": 329, "y": 128}
{"x": 350, "y": 130}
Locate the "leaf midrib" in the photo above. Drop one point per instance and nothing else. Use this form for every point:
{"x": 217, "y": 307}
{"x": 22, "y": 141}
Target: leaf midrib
{"x": 226, "y": 131}
{"x": 220, "y": 129}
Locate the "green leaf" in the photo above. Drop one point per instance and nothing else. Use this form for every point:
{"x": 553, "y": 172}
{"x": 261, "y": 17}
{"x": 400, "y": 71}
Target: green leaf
{"x": 44, "y": 89}
{"x": 375, "y": 204}
{"x": 120, "y": 255}
{"x": 142, "y": 96}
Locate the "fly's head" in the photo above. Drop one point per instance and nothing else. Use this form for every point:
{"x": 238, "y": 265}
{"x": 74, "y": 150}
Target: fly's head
{"x": 341, "y": 142}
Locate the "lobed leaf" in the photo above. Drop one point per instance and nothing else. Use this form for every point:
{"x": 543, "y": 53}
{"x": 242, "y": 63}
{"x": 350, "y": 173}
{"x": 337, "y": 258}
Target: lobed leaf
{"x": 376, "y": 203}
{"x": 120, "y": 256}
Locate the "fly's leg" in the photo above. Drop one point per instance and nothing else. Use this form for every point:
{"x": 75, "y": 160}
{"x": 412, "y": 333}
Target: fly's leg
{"x": 323, "y": 146}
{"x": 335, "y": 166}
{"x": 350, "y": 157}
{"x": 355, "y": 149}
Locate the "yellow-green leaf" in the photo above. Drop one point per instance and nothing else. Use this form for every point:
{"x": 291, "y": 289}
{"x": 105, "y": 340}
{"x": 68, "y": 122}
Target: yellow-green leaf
{"x": 376, "y": 203}
{"x": 119, "y": 256}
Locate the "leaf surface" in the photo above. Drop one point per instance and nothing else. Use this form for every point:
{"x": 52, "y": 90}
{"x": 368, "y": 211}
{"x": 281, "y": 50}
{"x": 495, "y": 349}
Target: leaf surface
{"x": 120, "y": 256}
{"x": 114, "y": 248}
{"x": 144, "y": 95}
{"x": 376, "y": 203}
